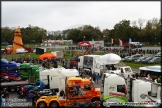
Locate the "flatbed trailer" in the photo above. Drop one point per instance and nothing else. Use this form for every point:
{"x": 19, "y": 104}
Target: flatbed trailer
{"x": 12, "y": 86}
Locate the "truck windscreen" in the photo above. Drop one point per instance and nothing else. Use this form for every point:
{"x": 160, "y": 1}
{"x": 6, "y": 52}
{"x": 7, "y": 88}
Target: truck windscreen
{"x": 88, "y": 62}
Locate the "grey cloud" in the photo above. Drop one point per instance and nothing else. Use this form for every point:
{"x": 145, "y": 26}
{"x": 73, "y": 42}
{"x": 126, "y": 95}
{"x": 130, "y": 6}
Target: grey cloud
{"x": 61, "y": 15}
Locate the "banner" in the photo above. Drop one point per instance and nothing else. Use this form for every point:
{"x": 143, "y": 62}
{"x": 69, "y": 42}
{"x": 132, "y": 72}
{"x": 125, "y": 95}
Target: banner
{"x": 112, "y": 41}
{"x": 120, "y": 42}
{"x": 130, "y": 40}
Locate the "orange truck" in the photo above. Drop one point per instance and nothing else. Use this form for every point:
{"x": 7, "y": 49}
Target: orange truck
{"x": 86, "y": 92}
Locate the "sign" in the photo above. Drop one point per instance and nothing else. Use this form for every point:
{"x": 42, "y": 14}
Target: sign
{"x": 143, "y": 96}
{"x": 97, "y": 43}
{"x": 111, "y": 88}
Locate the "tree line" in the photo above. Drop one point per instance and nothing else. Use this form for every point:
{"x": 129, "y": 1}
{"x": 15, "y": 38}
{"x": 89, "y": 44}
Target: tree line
{"x": 122, "y": 30}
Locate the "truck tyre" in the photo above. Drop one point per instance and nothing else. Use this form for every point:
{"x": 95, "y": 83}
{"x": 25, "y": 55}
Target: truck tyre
{"x": 12, "y": 88}
{"x": 95, "y": 99}
{"x": 42, "y": 105}
{"x": 54, "y": 104}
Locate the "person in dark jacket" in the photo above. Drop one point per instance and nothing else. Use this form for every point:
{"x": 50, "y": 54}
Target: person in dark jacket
{"x": 62, "y": 93}
{"x": 53, "y": 92}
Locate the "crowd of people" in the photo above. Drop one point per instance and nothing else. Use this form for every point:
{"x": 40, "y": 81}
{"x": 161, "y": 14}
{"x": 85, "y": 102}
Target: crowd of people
{"x": 120, "y": 51}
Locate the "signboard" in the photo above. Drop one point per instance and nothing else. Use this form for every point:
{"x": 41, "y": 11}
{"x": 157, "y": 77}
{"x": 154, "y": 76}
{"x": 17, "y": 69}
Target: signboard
{"x": 97, "y": 43}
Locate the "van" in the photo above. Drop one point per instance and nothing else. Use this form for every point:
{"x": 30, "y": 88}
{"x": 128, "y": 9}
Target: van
{"x": 21, "y": 50}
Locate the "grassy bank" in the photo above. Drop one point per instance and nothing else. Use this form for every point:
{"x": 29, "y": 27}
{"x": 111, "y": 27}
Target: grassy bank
{"x": 137, "y": 65}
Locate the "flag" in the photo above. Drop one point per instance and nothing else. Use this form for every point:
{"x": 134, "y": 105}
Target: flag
{"x": 130, "y": 40}
{"x": 42, "y": 40}
{"x": 120, "y": 42}
{"x": 112, "y": 41}
{"x": 71, "y": 41}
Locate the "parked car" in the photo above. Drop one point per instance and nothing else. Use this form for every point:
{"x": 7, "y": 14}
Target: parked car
{"x": 146, "y": 60}
{"x": 134, "y": 57}
{"x": 158, "y": 54}
{"x": 4, "y": 43}
{"x": 125, "y": 58}
{"x": 140, "y": 59}
{"x": 155, "y": 60}
{"x": 21, "y": 50}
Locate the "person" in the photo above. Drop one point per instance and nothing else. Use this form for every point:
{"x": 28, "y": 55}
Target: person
{"x": 94, "y": 77}
{"x": 97, "y": 77}
{"x": 159, "y": 79}
{"x": 62, "y": 93}
{"x": 74, "y": 66}
{"x": 53, "y": 92}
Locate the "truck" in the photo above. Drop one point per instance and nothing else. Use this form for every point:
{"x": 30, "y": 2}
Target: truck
{"x": 132, "y": 45}
{"x": 130, "y": 92}
{"x": 89, "y": 62}
{"x": 58, "y": 54}
{"x": 12, "y": 86}
{"x": 86, "y": 92}
{"x": 124, "y": 71}
{"x": 54, "y": 78}
{"x": 98, "y": 63}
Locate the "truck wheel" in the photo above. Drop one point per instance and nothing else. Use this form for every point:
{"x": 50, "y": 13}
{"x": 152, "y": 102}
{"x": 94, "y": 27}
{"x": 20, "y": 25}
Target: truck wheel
{"x": 12, "y": 88}
{"x": 95, "y": 99}
{"x": 35, "y": 99}
{"x": 42, "y": 105}
{"x": 54, "y": 104}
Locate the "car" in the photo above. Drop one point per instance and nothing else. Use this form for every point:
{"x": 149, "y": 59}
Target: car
{"x": 4, "y": 43}
{"x": 140, "y": 59}
{"x": 146, "y": 60}
{"x": 158, "y": 54}
{"x": 155, "y": 60}
{"x": 134, "y": 57}
{"x": 125, "y": 58}
{"x": 21, "y": 50}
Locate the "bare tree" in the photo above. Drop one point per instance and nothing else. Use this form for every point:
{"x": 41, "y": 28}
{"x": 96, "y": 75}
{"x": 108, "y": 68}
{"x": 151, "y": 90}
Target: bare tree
{"x": 134, "y": 23}
{"x": 140, "y": 22}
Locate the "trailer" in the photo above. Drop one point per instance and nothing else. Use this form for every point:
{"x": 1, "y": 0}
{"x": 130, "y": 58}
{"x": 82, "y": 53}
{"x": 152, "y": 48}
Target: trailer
{"x": 12, "y": 86}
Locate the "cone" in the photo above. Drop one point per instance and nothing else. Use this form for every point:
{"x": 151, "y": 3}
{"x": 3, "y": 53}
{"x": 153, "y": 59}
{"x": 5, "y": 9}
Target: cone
{"x": 17, "y": 43}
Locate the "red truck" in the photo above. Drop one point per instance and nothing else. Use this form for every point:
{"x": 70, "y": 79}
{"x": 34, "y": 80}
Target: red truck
{"x": 128, "y": 45}
{"x": 74, "y": 60}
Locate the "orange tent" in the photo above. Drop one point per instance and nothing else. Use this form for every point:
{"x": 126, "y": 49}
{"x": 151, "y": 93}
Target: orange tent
{"x": 47, "y": 55}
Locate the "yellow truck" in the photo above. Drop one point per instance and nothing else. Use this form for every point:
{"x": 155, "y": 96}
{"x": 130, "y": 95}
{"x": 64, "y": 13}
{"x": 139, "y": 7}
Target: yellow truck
{"x": 86, "y": 92}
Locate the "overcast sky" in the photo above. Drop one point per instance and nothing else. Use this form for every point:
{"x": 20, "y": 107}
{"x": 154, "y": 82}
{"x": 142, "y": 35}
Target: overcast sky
{"x": 54, "y": 16}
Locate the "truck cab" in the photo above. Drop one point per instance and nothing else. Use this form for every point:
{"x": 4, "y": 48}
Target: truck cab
{"x": 125, "y": 71}
{"x": 113, "y": 88}
{"x": 89, "y": 62}
{"x": 86, "y": 92}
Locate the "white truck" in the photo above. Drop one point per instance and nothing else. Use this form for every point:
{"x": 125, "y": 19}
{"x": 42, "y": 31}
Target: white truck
{"x": 115, "y": 91}
{"x": 97, "y": 63}
{"x": 124, "y": 71}
{"x": 55, "y": 78}
{"x": 89, "y": 62}
{"x": 58, "y": 54}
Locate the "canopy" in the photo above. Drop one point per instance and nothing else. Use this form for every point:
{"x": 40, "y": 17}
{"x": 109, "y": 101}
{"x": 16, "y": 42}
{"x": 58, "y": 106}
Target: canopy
{"x": 84, "y": 44}
{"x": 110, "y": 58}
{"x": 47, "y": 55}
{"x": 4, "y": 61}
{"x": 151, "y": 68}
